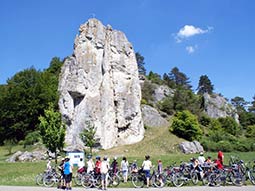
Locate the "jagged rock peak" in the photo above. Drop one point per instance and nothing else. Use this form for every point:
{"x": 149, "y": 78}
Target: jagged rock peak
{"x": 99, "y": 84}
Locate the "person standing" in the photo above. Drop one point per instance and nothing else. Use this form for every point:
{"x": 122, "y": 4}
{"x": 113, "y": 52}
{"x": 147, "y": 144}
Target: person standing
{"x": 81, "y": 165}
{"x": 90, "y": 164}
{"x": 61, "y": 169}
{"x": 221, "y": 157}
{"x": 67, "y": 173}
{"x": 48, "y": 166}
{"x": 124, "y": 168}
{"x": 201, "y": 159}
{"x": 114, "y": 165}
{"x": 104, "y": 172}
{"x": 146, "y": 168}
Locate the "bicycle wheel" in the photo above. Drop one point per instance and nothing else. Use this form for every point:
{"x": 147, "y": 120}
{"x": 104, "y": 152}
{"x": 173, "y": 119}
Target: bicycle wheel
{"x": 77, "y": 179}
{"x": 238, "y": 179}
{"x": 158, "y": 180}
{"x": 39, "y": 179}
{"x": 214, "y": 179}
{"x": 251, "y": 176}
{"x": 205, "y": 179}
{"x": 194, "y": 178}
{"x": 87, "y": 181}
{"x": 138, "y": 181}
{"x": 114, "y": 181}
{"x": 177, "y": 179}
{"x": 48, "y": 181}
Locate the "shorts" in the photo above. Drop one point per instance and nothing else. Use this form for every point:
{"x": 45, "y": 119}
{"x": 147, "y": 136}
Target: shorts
{"x": 104, "y": 176}
{"x": 68, "y": 178}
{"x": 124, "y": 172}
{"x": 147, "y": 173}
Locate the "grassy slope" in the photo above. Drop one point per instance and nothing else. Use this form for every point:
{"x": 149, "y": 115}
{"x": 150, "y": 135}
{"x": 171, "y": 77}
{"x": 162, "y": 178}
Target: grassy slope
{"x": 157, "y": 141}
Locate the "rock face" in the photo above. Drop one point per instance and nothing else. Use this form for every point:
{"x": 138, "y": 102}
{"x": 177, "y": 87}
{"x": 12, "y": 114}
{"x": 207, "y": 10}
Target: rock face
{"x": 152, "y": 118}
{"x": 161, "y": 92}
{"x": 99, "y": 84}
{"x": 217, "y": 106}
{"x": 191, "y": 147}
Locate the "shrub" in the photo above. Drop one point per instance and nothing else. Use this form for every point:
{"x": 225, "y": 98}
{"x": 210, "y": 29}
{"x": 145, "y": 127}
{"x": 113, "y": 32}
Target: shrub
{"x": 32, "y": 138}
{"x": 186, "y": 125}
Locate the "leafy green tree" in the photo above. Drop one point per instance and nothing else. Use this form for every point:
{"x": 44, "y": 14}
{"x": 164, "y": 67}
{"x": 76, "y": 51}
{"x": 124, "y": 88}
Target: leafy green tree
{"x": 252, "y": 107}
{"x": 20, "y": 107}
{"x": 185, "y": 99}
{"x": 88, "y": 136}
{"x": 140, "y": 63}
{"x": 180, "y": 79}
{"x": 250, "y": 131}
{"x": 55, "y": 66}
{"x": 230, "y": 125}
{"x": 169, "y": 82}
{"x": 32, "y": 138}
{"x": 24, "y": 98}
{"x": 154, "y": 78}
{"x": 204, "y": 85}
{"x": 186, "y": 125}
{"x": 239, "y": 103}
{"x": 52, "y": 130}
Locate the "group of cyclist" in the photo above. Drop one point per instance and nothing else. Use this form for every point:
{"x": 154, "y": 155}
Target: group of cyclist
{"x": 101, "y": 167}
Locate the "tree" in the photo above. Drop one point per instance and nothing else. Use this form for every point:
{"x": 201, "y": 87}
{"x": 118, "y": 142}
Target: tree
{"x": 204, "y": 85}
{"x": 239, "y": 103}
{"x": 20, "y": 105}
{"x": 88, "y": 136}
{"x": 154, "y": 78}
{"x": 140, "y": 63}
{"x": 25, "y": 97}
{"x": 180, "y": 79}
{"x": 186, "y": 125}
{"x": 169, "y": 82}
{"x": 252, "y": 107}
{"x": 52, "y": 130}
{"x": 229, "y": 125}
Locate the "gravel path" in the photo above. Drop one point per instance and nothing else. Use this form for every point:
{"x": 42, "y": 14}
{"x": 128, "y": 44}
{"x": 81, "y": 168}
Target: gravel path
{"x": 185, "y": 188}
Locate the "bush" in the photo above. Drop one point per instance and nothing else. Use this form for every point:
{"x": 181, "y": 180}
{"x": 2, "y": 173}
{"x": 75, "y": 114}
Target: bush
{"x": 32, "y": 138}
{"x": 230, "y": 125}
{"x": 186, "y": 125}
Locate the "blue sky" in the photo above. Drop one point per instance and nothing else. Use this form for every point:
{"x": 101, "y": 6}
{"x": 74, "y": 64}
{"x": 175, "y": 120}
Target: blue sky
{"x": 201, "y": 37}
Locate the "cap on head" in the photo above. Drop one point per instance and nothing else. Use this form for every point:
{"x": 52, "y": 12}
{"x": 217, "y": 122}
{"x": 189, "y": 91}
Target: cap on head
{"x": 105, "y": 157}
{"x": 98, "y": 157}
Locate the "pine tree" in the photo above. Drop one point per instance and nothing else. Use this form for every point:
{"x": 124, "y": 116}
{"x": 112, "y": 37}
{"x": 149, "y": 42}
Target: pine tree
{"x": 204, "y": 85}
{"x": 140, "y": 63}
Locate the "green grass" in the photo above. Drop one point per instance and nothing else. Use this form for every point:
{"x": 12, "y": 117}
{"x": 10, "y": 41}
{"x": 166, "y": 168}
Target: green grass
{"x": 158, "y": 143}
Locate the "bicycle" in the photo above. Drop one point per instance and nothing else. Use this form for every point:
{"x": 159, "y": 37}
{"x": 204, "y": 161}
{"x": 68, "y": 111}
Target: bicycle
{"x": 139, "y": 179}
{"x": 51, "y": 178}
{"x": 185, "y": 174}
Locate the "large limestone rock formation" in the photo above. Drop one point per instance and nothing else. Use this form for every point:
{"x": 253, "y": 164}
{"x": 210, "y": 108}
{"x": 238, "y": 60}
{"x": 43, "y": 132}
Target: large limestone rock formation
{"x": 99, "y": 84}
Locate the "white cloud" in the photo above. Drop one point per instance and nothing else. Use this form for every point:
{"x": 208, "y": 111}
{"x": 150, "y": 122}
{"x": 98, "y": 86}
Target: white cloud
{"x": 189, "y": 31}
{"x": 190, "y": 49}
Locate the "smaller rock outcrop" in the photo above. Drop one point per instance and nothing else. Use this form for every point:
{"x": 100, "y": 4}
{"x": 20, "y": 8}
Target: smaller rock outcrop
{"x": 191, "y": 147}
{"x": 217, "y": 106}
{"x": 28, "y": 156}
{"x": 152, "y": 118}
{"x": 161, "y": 92}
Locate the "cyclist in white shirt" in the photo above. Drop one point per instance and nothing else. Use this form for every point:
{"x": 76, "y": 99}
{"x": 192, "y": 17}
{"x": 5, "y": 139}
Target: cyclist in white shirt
{"x": 146, "y": 168}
